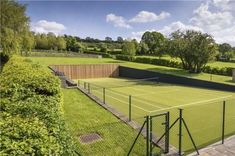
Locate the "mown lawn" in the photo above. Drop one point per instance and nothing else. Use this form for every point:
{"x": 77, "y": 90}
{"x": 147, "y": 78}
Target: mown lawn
{"x": 83, "y": 116}
{"x": 175, "y": 71}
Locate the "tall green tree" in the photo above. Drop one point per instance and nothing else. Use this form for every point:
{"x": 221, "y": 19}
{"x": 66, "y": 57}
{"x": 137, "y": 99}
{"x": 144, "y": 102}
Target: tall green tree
{"x": 41, "y": 41}
{"x": 61, "y": 43}
{"x": 226, "y": 52}
{"x": 194, "y": 49}
{"x": 129, "y": 48}
{"x": 153, "y": 43}
{"x": 27, "y": 42}
{"x": 14, "y": 24}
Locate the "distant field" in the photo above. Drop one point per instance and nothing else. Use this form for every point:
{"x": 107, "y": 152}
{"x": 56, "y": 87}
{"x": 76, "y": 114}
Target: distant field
{"x": 202, "y": 107}
{"x": 175, "y": 71}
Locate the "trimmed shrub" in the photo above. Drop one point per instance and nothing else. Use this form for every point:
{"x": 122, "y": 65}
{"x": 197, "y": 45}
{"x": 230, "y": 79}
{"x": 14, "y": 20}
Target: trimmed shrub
{"x": 105, "y": 55}
{"x": 31, "y": 111}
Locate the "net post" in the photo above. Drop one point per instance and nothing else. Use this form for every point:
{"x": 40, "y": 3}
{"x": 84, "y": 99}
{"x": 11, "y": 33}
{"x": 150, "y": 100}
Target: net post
{"x": 223, "y": 121}
{"x": 180, "y": 131}
{"x": 129, "y": 107}
{"x": 104, "y": 95}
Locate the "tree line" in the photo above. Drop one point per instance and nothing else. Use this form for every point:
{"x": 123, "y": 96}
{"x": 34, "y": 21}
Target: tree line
{"x": 193, "y": 48}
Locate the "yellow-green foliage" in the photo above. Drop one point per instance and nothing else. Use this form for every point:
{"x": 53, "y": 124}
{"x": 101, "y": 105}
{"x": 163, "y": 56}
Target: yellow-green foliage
{"x": 31, "y": 122}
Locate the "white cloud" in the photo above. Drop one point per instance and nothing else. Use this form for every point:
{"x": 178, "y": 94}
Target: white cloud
{"x": 44, "y": 26}
{"x": 211, "y": 21}
{"x": 220, "y": 23}
{"x": 223, "y": 4}
{"x": 145, "y": 16}
{"x": 118, "y": 21}
{"x": 167, "y": 30}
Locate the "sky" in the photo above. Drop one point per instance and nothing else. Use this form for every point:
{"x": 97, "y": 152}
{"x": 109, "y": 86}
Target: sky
{"x": 130, "y": 19}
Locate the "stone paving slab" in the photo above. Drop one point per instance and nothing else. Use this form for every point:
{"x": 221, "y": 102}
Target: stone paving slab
{"x": 219, "y": 149}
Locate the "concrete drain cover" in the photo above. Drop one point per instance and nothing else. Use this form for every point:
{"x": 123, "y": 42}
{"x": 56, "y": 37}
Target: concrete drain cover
{"x": 89, "y": 138}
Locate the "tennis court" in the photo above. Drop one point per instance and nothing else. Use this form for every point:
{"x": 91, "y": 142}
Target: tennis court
{"x": 202, "y": 107}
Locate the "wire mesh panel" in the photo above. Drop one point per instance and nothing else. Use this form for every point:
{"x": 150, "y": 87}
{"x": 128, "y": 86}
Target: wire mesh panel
{"x": 111, "y": 140}
{"x": 229, "y": 127}
{"x": 159, "y": 133}
{"x": 119, "y": 101}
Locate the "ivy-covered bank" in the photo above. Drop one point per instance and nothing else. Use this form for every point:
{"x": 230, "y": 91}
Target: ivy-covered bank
{"x": 31, "y": 111}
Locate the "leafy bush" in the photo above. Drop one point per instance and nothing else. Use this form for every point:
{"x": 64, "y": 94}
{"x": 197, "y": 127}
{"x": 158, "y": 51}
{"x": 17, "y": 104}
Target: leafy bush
{"x": 31, "y": 111}
{"x": 227, "y": 71}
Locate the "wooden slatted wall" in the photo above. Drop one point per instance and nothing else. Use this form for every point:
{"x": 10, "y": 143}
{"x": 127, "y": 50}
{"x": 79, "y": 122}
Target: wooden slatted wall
{"x": 85, "y": 71}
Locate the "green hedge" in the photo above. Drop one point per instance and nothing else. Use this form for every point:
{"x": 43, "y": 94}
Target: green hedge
{"x": 31, "y": 110}
{"x": 175, "y": 64}
{"x": 105, "y": 55}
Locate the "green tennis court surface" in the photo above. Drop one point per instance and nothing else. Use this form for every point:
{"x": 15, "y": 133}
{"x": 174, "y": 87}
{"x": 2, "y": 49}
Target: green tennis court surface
{"x": 202, "y": 107}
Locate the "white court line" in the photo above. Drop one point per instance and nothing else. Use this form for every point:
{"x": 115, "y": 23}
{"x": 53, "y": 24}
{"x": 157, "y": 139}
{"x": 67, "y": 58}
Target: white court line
{"x": 126, "y": 96}
{"x": 117, "y": 93}
{"x": 193, "y": 103}
{"x": 124, "y": 102}
{"x": 147, "y": 103}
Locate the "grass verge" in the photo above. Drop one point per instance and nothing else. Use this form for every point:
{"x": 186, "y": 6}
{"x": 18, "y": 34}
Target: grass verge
{"x": 83, "y": 116}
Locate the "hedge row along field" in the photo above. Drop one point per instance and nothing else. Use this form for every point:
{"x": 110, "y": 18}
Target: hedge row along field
{"x": 227, "y": 71}
{"x": 31, "y": 111}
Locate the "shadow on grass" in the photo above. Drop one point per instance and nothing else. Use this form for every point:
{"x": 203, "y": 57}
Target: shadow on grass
{"x": 230, "y": 81}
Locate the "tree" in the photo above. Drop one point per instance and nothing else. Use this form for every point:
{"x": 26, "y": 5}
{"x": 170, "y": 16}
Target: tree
{"x": 9, "y": 43}
{"x": 225, "y": 52}
{"x": 129, "y": 48}
{"x": 153, "y": 42}
{"x": 103, "y": 48}
{"x": 119, "y": 39}
{"x": 27, "y": 42}
{"x": 52, "y": 42}
{"x": 73, "y": 45}
{"x": 193, "y": 48}
{"x": 14, "y": 23}
{"x": 108, "y": 39}
{"x": 61, "y": 43}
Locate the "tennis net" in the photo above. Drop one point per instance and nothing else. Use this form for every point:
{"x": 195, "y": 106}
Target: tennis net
{"x": 117, "y": 83}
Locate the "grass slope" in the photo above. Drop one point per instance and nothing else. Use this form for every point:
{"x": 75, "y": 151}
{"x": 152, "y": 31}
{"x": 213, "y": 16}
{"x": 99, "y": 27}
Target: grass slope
{"x": 84, "y": 116}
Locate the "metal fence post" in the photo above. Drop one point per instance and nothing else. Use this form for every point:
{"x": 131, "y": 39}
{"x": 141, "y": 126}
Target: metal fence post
{"x": 180, "y": 131}
{"x": 84, "y": 85}
{"x": 89, "y": 89}
{"x": 147, "y": 136}
{"x": 104, "y": 95}
{"x": 223, "y": 122}
{"x": 129, "y": 107}
{"x": 151, "y": 134}
{"x": 167, "y": 118}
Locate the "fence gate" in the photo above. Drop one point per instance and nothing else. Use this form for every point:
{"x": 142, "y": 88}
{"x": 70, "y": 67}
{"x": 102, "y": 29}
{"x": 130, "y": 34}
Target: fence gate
{"x": 158, "y": 134}
{"x": 155, "y": 128}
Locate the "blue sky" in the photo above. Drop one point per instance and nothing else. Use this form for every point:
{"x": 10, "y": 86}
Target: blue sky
{"x": 130, "y": 19}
